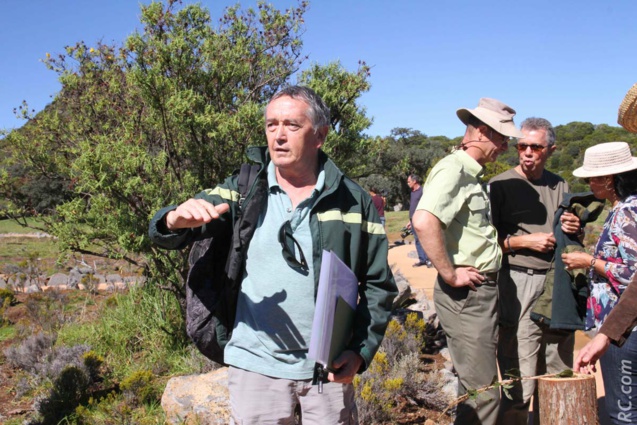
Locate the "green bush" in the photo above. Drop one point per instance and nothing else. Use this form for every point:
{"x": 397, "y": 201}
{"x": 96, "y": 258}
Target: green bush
{"x": 7, "y": 295}
{"x": 7, "y": 299}
{"x": 138, "y": 388}
{"x": 70, "y": 389}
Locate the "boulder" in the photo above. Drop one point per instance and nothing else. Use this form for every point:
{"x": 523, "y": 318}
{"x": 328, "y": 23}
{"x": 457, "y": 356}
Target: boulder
{"x": 422, "y": 303}
{"x": 404, "y": 290}
{"x": 75, "y": 277}
{"x": 197, "y": 399}
{"x": 58, "y": 279}
{"x": 113, "y": 278}
{"x": 32, "y": 289}
{"x": 449, "y": 383}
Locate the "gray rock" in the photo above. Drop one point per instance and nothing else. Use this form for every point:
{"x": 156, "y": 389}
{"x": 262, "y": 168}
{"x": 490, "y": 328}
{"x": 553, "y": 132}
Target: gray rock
{"x": 197, "y": 399}
{"x": 450, "y": 383}
{"x": 130, "y": 280}
{"x": 404, "y": 290}
{"x": 113, "y": 278}
{"x": 13, "y": 282}
{"x": 85, "y": 270}
{"x": 3, "y": 283}
{"x": 75, "y": 277}
{"x": 58, "y": 279}
{"x": 31, "y": 289}
{"x": 423, "y": 303}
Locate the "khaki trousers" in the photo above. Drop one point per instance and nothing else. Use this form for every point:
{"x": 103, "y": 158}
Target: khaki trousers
{"x": 470, "y": 321}
{"x": 257, "y": 399}
{"x": 526, "y": 346}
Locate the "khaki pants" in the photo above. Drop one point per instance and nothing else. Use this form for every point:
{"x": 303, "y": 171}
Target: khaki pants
{"x": 470, "y": 320}
{"x": 256, "y": 399}
{"x": 525, "y": 345}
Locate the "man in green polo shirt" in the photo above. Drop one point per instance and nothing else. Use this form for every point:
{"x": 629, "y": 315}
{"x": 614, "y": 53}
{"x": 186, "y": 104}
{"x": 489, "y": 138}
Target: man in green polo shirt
{"x": 453, "y": 223}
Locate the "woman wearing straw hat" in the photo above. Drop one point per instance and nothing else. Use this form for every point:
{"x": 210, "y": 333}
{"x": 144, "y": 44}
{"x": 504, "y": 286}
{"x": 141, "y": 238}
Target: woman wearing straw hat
{"x": 611, "y": 172}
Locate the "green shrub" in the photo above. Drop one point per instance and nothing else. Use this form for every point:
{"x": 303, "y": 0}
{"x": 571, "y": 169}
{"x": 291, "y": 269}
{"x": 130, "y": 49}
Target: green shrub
{"x": 138, "y": 388}
{"x": 70, "y": 389}
{"x": 7, "y": 299}
{"x": 7, "y": 295}
{"x": 111, "y": 409}
{"x": 93, "y": 362}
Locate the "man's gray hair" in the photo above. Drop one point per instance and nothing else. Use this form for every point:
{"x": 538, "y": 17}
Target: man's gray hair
{"x": 317, "y": 111}
{"x": 535, "y": 123}
{"x": 415, "y": 177}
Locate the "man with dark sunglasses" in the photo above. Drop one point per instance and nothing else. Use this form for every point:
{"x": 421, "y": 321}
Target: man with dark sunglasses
{"x": 452, "y": 221}
{"x": 524, "y": 201}
{"x": 307, "y": 205}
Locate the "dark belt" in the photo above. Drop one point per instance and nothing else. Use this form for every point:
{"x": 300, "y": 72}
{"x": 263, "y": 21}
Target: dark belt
{"x": 490, "y": 278}
{"x": 526, "y": 270}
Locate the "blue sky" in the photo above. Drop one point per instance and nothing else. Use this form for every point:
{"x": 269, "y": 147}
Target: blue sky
{"x": 565, "y": 60}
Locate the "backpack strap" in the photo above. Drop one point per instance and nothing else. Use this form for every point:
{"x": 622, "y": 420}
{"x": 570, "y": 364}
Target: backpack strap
{"x": 247, "y": 175}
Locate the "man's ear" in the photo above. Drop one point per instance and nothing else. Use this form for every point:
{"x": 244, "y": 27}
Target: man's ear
{"x": 321, "y": 133}
{"x": 551, "y": 149}
{"x": 483, "y": 129}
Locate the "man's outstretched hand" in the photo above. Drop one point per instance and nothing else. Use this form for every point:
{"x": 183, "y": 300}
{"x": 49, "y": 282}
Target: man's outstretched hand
{"x": 194, "y": 213}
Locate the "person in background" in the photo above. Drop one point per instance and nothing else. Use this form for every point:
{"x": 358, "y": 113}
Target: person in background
{"x": 379, "y": 204}
{"x": 306, "y": 206}
{"x": 415, "y": 185}
{"x": 611, "y": 172}
{"x": 524, "y": 201}
{"x": 453, "y": 224}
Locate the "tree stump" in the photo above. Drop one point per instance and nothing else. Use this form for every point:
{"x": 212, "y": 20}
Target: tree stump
{"x": 568, "y": 401}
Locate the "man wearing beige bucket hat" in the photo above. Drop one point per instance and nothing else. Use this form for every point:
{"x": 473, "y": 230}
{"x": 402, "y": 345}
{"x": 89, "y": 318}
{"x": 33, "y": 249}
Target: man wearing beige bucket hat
{"x": 452, "y": 221}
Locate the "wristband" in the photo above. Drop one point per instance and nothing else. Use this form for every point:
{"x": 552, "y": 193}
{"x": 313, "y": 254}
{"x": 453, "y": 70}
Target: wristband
{"x": 591, "y": 270}
{"x": 507, "y": 244}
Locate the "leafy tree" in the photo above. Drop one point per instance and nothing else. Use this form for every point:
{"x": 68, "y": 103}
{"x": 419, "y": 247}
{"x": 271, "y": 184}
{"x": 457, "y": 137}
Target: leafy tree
{"x": 341, "y": 89}
{"x": 573, "y": 131}
{"x": 171, "y": 111}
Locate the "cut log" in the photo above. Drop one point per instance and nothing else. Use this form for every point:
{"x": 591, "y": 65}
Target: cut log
{"x": 568, "y": 401}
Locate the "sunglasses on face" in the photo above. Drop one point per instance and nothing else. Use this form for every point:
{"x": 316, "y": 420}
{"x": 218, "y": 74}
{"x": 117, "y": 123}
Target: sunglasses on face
{"x": 522, "y": 147}
{"x": 287, "y": 241}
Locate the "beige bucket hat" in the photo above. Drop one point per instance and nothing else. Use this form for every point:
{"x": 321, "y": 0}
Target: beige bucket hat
{"x": 493, "y": 113}
{"x": 627, "y": 116}
{"x": 606, "y": 159}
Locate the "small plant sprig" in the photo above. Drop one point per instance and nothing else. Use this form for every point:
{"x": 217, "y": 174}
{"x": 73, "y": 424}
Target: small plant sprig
{"x": 506, "y": 384}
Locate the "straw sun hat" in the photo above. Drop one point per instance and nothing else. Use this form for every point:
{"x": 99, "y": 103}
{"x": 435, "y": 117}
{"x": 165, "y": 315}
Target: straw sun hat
{"x": 493, "y": 113}
{"x": 627, "y": 116}
{"x": 606, "y": 159}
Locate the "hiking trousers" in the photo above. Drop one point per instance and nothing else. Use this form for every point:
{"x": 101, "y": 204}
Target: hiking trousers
{"x": 257, "y": 399}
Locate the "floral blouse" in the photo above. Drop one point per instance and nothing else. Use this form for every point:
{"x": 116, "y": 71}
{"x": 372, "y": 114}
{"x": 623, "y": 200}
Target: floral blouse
{"x": 617, "y": 244}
